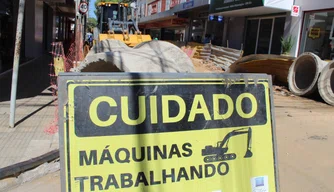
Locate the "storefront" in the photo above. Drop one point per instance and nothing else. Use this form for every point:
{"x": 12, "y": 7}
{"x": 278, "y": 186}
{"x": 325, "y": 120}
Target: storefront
{"x": 263, "y": 35}
{"x": 311, "y": 29}
{"x": 7, "y": 35}
{"x": 318, "y": 34}
{"x": 256, "y": 26}
{"x": 175, "y": 20}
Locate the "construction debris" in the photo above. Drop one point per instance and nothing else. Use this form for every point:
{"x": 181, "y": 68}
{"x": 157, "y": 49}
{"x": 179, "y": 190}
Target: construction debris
{"x": 224, "y": 57}
{"x": 282, "y": 90}
{"x": 203, "y": 52}
{"x": 221, "y": 57}
{"x": 205, "y": 66}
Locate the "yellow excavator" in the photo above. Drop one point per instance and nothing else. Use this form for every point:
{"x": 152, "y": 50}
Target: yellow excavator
{"x": 118, "y": 21}
{"x": 121, "y": 47}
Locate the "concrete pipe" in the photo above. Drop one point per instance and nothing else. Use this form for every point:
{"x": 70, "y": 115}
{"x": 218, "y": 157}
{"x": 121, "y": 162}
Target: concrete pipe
{"x": 151, "y": 56}
{"x": 326, "y": 83}
{"x": 304, "y": 73}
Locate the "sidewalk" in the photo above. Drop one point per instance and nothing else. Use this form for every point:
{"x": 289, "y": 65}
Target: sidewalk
{"x": 29, "y": 138}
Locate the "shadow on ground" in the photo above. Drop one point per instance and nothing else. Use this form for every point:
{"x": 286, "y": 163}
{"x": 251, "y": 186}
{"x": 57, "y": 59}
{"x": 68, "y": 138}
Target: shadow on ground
{"x": 33, "y": 78}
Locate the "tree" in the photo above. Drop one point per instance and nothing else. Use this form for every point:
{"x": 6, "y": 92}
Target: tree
{"x": 91, "y": 23}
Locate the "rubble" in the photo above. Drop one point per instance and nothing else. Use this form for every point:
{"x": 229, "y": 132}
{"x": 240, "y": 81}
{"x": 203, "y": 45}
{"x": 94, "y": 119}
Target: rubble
{"x": 202, "y": 66}
{"x": 281, "y": 90}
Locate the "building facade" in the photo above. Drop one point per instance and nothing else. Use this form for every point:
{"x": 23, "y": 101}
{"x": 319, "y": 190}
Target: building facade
{"x": 178, "y": 20}
{"x": 44, "y": 22}
{"x": 256, "y": 26}
{"x": 314, "y": 28}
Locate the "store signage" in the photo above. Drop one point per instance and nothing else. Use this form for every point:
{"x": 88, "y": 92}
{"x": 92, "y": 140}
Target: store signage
{"x": 216, "y": 18}
{"x": 154, "y": 7}
{"x": 203, "y": 15}
{"x": 217, "y": 6}
{"x": 314, "y": 33}
{"x": 167, "y": 132}
{"x": 295, "y": 11}
{"x": 174, "y": 3}
{"x": 188, "y": 5}
{"x": 179, "y": 21}
{"x": 220, "y": 18}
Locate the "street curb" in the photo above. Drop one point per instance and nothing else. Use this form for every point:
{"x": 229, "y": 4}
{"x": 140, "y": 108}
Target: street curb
{"x": 26, "y": 171}
{"x": 16, "y": 169}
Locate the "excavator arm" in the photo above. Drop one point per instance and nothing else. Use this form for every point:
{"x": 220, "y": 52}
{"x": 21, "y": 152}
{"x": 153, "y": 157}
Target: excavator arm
{"x": 235, "y": 133}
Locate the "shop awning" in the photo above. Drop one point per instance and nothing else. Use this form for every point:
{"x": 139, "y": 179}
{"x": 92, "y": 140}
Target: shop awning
{"x": 249, "y": 7}
{"x": 172, "y": 13}
{"x": 167, "y": 23}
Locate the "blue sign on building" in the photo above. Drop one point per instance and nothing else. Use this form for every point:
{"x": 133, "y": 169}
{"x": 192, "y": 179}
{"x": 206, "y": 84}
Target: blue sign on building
{"x": 188, "y": 4}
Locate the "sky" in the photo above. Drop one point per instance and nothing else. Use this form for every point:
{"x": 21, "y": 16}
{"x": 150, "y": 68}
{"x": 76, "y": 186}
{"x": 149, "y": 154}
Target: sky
{"x": 92, "y": 8}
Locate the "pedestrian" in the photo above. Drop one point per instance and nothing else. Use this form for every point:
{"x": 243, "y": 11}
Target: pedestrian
{"x": 207, "y": 39}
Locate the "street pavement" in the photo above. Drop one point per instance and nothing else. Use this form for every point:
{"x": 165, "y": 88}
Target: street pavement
{"x": 31, "y": 136}
{"x": 35, "y": 111}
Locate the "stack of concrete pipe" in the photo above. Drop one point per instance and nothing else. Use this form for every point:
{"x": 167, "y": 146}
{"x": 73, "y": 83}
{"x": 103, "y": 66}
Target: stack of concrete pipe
{"x": 309, "y": 74}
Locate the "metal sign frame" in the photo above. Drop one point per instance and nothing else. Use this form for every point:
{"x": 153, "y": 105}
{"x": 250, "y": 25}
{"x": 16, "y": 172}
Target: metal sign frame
{"x": 229, "y": 79}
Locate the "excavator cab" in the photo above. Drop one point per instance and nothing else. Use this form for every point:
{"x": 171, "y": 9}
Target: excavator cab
{"x": 117, "y": 21}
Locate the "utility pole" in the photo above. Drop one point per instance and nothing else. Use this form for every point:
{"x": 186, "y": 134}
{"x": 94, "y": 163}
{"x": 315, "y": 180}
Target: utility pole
{"x": 16, "y": 63}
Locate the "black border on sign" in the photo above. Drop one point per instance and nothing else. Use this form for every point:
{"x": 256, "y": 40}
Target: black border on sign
{"x": 68, "y": 79}
{"x": 68, "y": 149}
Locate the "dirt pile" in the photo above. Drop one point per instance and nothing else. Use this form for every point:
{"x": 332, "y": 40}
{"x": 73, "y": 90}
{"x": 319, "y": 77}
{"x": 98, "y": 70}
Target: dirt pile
{"x": 205, "y": 66}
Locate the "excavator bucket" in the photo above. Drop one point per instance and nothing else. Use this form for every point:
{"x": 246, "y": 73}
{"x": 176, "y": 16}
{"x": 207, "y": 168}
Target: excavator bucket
{"x": 130, "y": 40}
{"x": 248, "y": 154}
{"x": 151, "y": 56}
{"x": 110, "y": 36}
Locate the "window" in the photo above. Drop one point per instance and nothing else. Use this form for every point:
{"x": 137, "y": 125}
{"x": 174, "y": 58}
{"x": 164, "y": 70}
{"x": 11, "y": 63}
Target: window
{"x": 263, "y": 35}
{"x": 142, "y": 10}
{"x": 138, "y": 11}
{"x": 159, "y": 6}
{"x": 317, "y": 34}
{"x": 167, "y": 5}
{"x": 149, "y": 10}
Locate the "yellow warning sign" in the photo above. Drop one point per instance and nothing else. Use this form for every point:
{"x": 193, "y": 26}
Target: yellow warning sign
{"x": 180, "y": 133}
{"x": 58, "y": 65}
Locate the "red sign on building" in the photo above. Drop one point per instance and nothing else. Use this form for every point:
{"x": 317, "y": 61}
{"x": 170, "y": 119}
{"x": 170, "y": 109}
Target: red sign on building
{"x": 295, "y": 11}
{"x": 174, "y": 3}
{"x": 153, "y": 8}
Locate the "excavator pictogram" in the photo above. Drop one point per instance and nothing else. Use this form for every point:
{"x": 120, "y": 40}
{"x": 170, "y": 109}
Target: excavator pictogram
{"x": 219, "y": 153}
